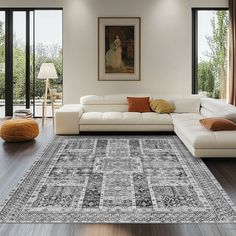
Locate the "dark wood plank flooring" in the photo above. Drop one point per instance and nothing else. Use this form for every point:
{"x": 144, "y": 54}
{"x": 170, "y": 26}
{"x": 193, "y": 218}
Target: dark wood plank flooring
{"x": 16, "y": 159}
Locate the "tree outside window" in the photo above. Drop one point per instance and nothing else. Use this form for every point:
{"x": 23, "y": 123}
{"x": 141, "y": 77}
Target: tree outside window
{"x": 212, "y": 67}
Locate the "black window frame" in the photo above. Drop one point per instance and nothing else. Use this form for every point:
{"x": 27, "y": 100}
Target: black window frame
{"x": 195, "y": 42}
{"x": 9, "y": 55}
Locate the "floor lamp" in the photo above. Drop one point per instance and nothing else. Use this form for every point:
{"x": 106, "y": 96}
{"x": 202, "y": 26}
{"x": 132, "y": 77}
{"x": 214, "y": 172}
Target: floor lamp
{"x": 47, "y": 71}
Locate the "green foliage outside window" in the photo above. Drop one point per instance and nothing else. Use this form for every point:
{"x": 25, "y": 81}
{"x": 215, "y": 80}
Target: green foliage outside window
{"x": 44, "y": 53}
{"x": 2, "y": 60}
{"x": 212, "y": 74}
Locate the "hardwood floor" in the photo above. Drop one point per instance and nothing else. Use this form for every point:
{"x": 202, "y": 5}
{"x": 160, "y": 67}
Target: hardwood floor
{"x": 16, "y": 159}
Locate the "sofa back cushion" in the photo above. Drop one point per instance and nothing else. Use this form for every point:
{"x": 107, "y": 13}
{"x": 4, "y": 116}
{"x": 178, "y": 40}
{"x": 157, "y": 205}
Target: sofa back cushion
{"x": 119, "y": 102}
{"x": 116, "y": 99}
{"x": 105, "y": 108}
{"x": 216, "y": 108}
{"x": 187, "y": 105}
{"x": 106, "y": 103}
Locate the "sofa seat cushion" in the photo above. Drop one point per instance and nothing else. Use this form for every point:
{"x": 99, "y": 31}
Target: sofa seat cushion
{"x": 185, "y": 117}
{"x": 200, "y": 137}
{"x": 103, "y": 118}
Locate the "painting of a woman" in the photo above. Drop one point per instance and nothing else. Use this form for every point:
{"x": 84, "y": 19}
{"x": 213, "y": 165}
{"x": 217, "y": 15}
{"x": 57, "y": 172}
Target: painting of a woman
{"x": 114, "y": 54}
{"x": 118, "y": 48}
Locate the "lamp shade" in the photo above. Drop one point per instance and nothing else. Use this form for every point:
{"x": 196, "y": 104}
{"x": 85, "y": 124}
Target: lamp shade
{"x": 47, "y": 71}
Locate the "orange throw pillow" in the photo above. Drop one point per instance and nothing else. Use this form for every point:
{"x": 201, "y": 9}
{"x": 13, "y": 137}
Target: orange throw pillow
{"x": 218, "y": 124}
{"x": 138, "y": 104}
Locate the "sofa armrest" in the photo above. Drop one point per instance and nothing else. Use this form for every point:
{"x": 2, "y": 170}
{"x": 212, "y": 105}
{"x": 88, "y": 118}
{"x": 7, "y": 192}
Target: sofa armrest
{"x": 67, "y": 119}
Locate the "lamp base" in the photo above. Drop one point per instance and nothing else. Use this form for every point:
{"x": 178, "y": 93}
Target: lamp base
{"x": 44, "y": 105}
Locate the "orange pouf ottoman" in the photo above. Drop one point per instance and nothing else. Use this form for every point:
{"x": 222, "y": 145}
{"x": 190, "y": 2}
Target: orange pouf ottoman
{"x": 19, "y": 130}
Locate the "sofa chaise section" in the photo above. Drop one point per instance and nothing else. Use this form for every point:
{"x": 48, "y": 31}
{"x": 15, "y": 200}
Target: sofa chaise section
{"x": 200, "y": 141}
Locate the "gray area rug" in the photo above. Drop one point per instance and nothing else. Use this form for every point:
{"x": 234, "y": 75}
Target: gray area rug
{"x": 118, "y": 179}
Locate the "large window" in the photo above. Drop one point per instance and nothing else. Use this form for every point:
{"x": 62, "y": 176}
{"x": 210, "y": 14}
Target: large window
{"x": 19, "y": 59}
{"x": 2, "y": 63}
{"x": 48, "y": 48}
{"x": 210, "y": 52}
{"x": 28, "y": 38}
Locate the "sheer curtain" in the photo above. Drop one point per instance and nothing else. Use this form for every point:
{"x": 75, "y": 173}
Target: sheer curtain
{"x": 232, "y": 52}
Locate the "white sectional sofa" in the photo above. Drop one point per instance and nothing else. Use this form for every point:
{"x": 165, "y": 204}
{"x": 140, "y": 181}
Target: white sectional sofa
{"x": 110, "y": 113}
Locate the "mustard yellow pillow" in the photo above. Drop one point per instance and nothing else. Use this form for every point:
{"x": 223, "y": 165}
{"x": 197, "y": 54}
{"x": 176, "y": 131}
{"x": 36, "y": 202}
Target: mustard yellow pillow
{"x": 161, "y": 106}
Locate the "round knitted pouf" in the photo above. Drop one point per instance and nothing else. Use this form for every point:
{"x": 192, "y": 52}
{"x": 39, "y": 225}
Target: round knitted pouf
{"x": 19, "y": 130}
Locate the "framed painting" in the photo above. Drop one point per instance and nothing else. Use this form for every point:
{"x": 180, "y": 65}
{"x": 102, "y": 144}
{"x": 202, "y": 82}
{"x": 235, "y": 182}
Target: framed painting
{"x": 119, "y": 48}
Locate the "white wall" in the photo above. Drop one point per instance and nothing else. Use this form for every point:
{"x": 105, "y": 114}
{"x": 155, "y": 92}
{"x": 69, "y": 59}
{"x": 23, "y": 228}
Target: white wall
{"x": 165, "y": 43}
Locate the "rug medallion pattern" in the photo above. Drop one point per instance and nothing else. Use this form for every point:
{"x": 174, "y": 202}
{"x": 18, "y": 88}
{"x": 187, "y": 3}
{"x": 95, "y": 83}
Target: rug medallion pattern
{"x": 122, "y": 179}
